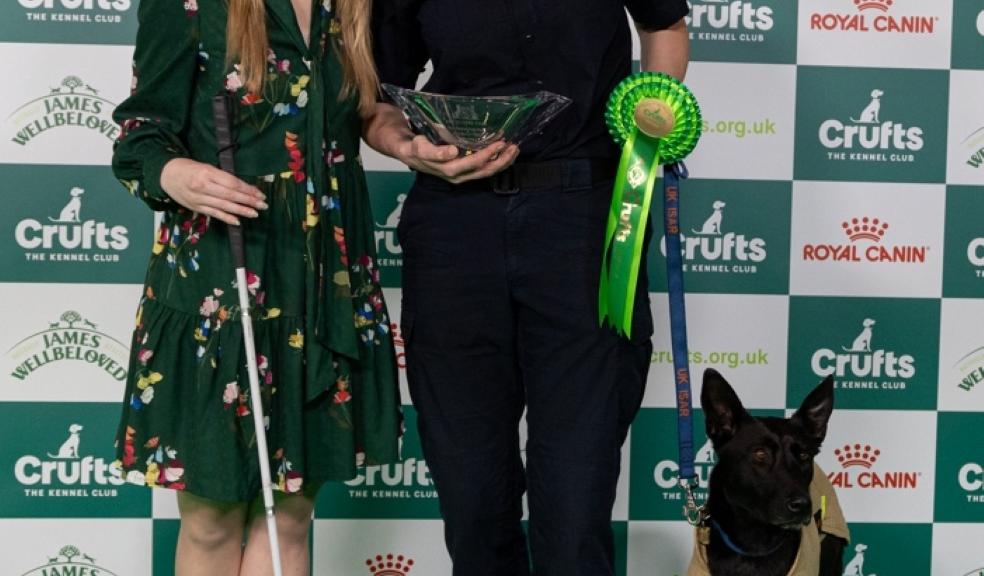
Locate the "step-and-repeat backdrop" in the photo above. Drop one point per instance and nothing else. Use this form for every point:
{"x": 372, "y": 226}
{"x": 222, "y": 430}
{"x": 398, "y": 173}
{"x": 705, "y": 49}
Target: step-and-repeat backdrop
{"x": 834, "y": 225}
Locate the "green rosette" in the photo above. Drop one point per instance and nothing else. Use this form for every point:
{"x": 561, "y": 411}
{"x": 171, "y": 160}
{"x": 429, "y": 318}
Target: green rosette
{"x": 677, "y": 118}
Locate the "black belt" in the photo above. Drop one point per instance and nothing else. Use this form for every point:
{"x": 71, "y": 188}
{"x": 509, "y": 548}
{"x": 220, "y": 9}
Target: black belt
{"x": 531, "y": 176}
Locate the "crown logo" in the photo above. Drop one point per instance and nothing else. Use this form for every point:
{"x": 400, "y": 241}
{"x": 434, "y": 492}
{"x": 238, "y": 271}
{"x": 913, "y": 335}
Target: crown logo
{"x": 857, "y": 455}
{"x": 882, "y": 5}
{"x": 389, "y": 565}
{"x": 865, "y": 229}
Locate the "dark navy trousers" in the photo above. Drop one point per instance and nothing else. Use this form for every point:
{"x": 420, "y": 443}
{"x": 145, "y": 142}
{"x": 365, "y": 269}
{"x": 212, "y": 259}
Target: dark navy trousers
{"x": 500, "y": 314}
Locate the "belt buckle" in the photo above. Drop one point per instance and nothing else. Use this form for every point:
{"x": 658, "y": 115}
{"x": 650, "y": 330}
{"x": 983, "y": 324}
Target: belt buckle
{"x": 505, "y": 182}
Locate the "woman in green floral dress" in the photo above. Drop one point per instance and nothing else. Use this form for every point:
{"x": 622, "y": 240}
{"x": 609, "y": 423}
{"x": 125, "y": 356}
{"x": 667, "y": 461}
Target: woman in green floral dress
{"x": 300, "y": 72}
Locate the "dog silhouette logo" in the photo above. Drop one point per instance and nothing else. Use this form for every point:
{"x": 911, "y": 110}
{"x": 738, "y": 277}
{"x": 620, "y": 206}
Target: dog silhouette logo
{"x": 863, "y": 341}
{"x": 856, "y": 566}
{"x": 69, "y": 449}
{"x": 706, "y": 454}
{"x": 72, "y": 212}
{"x": 870, "y": 114}
{"x": 712, "y": 226}
{"x": 393, "y": 220}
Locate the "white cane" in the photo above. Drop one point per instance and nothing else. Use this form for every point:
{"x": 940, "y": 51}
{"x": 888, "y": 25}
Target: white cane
{"x": 223, "y": 138}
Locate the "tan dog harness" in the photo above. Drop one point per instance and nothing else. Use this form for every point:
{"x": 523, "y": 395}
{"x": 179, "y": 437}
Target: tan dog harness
{"x": 831, "y": 521}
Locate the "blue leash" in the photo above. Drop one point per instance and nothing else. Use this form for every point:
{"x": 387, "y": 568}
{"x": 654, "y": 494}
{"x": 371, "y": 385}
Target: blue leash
{"x": 672, "y": 173}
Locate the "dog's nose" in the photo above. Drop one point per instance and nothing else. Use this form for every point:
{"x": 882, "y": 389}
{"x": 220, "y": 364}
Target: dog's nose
{"x": 798, "y": 504}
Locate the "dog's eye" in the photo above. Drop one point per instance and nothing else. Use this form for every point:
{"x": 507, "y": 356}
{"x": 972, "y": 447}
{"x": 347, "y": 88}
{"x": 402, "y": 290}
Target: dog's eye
{"x": 805, "y": 456}
{"x": 760, "y": 456}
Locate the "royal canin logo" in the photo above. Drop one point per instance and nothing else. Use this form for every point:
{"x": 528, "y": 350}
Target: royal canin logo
{"x": 858, "y": 462}
{"x": 873, "y": 16}
{"x": 389, "y": 565}
{"x": 865, "y": 236}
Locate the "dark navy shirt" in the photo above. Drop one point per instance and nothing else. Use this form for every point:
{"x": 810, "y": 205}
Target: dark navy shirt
{"x": 578, "y": 48}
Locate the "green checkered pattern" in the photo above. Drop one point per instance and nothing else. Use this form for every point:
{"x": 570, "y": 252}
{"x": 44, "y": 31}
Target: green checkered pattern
{"x": 834, "y": 225}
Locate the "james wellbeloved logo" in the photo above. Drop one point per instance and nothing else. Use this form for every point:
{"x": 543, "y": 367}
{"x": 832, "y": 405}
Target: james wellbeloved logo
{"x": 859, "y": 470}
{"x": 874, "y": 16}
{"x": 70, "y": 561}
{"x": 971, "y": 368}
{"x": 729, "y": 242}
{"x": 69, "y": 338}
{"x": 69, "y": 237}
{"x": 389, "y": 565}
{"x": 72, "y": 103}
{"x": 864, "y": 235}
{"x": 869, "y": 137}
{"x": 974, "y": 148}
{"x": 879, "y": 351}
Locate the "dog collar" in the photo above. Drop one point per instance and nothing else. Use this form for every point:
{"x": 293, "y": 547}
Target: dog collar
{"x": 736, "y": 548}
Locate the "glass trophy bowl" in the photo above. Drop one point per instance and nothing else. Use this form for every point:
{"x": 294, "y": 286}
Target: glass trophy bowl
{"x": 473, "y": 122}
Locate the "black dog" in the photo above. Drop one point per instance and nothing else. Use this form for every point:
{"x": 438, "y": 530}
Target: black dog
{"x": 759, "y": 504}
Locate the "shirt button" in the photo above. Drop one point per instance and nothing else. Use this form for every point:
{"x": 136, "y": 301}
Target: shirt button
{"x": 528, "y": 37}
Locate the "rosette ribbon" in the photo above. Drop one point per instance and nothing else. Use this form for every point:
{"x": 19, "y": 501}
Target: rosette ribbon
{"x": 657, "y": 121}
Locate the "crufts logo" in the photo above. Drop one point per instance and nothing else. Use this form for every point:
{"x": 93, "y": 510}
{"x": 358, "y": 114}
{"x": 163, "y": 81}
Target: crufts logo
{"x": 861, "y": 360}
{"x": 865, "y": 234}
{"x": 881, "y": 140}
{"x": 666, "y": 473}
{"x": 71, "y": 103}
{"x": 387, "y": 243}
{"x": 873, "y": 16}
{"x": 67, "y": 231}
{"x": 389, "y": 565}
{"x": 711, "y": 244}
{"x": 66, "y": 472}
{"x": 971, "y": 480}
{"x": 863, "y": 456}
{"x": 975, "y": 255}
{"x": 70, "y": 561}
{"x": 731, "y": 14}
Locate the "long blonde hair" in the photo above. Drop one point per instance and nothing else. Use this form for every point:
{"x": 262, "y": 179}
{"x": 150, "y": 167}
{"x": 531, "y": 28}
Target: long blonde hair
{"x": 247, "y": 43}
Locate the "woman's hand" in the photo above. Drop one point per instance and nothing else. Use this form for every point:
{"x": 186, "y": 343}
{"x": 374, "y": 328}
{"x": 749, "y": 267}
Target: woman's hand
{"x": 207, "y": 190}
{"x": 443, "y": 161}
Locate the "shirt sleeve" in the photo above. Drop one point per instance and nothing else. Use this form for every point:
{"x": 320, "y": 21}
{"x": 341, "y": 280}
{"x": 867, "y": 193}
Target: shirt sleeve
{"x": 653, "y": 15}
{"x": 398, "y": 44}
{"x": 154, "y": 118}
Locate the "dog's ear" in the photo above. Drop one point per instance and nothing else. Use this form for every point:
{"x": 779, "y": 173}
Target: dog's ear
{"x": 814, "y": 413}
{"x": 723, "y": 411}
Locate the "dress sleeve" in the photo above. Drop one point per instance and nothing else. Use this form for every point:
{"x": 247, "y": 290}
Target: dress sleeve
{"x": 398, "y": 44}
{"x": 653, "y": 15}
{"x": 154, "y": 118}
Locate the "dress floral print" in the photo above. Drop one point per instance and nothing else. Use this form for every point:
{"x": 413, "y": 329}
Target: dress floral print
{"x": 323, "y": 343}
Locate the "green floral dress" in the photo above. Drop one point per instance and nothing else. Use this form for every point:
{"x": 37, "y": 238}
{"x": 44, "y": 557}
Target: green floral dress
{"x": 325, "y": 353}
